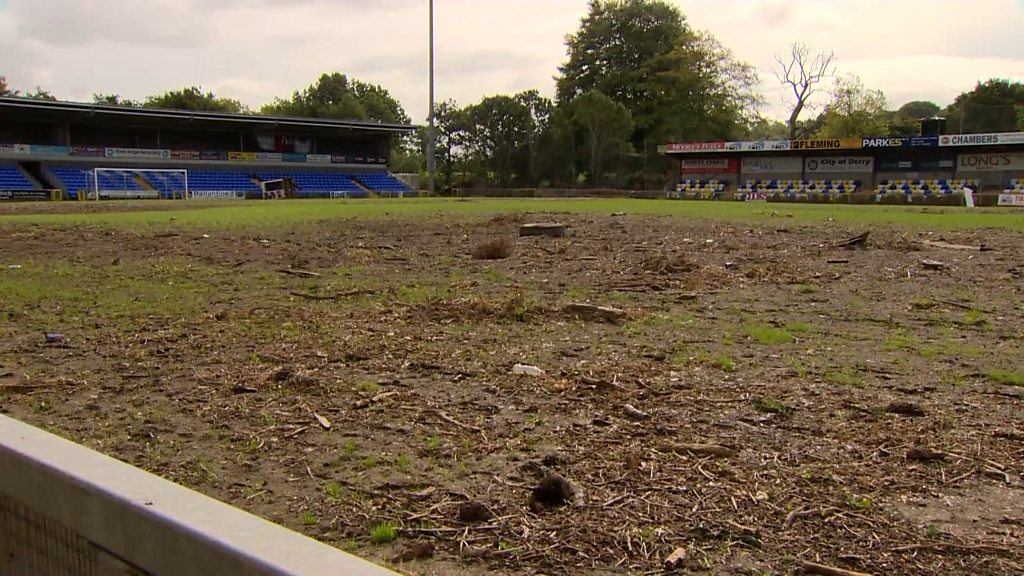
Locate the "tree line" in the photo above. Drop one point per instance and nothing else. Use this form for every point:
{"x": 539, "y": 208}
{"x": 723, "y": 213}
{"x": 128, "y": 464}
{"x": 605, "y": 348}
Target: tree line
{"x": 636, "y": 75}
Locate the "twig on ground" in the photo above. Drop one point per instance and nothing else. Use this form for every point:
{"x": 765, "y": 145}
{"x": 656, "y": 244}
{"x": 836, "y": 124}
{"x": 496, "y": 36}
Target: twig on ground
{"x": 822, "y": 570}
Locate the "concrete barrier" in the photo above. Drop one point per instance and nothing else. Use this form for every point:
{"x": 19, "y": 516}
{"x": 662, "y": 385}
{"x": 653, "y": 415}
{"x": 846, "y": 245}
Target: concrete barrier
{"x": 66, "y": 510}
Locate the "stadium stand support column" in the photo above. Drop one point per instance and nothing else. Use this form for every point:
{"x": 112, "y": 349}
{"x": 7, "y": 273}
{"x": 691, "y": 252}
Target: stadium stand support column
{"x": 369, "y": 192}
{"x": 30, "y": 176}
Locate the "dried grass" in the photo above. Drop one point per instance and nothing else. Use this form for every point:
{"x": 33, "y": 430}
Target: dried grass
{"x": 497, "y": 249}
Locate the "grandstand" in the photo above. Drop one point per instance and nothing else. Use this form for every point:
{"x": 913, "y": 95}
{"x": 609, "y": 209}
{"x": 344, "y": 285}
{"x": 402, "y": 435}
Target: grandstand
{"x": 926, "y": 187}
{"x": 893, "y": 169}
{"x": 146, "y": 153}
{"x": 11, "y": 178}
{"x": 800, "y": 187}
{"x": 700, "y": 189}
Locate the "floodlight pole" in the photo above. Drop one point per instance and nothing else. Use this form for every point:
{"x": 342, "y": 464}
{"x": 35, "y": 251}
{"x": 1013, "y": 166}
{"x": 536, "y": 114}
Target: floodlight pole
{"x": 431, "y": 162}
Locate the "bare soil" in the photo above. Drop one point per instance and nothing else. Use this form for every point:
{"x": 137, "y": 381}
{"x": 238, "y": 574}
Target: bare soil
{"x": 220, "y": 360}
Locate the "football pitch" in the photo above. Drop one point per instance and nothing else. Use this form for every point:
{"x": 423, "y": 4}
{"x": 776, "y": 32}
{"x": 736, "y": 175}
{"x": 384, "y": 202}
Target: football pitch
{"x": 762, "y": 386}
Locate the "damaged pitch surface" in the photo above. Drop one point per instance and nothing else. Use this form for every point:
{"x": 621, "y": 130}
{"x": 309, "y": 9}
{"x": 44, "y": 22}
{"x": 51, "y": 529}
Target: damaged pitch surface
{"x": 766, "y": 399}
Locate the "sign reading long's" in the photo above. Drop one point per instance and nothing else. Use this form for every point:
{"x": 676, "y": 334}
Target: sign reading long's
{"x": 991, "y": 162}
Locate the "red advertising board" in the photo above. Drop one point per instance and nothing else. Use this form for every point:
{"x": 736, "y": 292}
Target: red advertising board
{"x": 709, "y": 166}
{"x": 696, "y": 146}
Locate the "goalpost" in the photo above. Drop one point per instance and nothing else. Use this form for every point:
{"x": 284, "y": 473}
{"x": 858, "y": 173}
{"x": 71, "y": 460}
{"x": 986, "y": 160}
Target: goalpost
{"x": 138, "y": 184}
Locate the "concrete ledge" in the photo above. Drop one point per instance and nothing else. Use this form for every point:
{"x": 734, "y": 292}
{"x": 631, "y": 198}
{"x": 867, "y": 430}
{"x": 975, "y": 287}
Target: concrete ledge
{"x": 154, "y": 525}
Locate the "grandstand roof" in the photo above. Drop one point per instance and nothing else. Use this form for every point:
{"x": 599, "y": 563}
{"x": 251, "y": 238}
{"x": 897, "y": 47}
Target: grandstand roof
{"x": 44, "y": 109}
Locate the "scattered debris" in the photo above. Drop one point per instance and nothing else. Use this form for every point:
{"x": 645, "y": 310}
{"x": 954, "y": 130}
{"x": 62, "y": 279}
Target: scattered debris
{"x": 633, "y": 413}
{"x": 240, "y": 389}
{"x": 662, "y": 263}
{"x": 948, "y": 246}
{"x": 473, "y": 511}
{"x": 838, "y": 260}
{"x": 527, "y": 370}
{"x": 498, "y": 249}
{"x": 550, "y": 229}
{"x": 795, "y": 515}
{"x": 367, "y": 402}
{"x": 282, "y": 374}
{"x": 54, "y": 338}
{"x": 822, "y": 570}
{"x": 906, "y": 409}
{"x": 289, "y": 375}
{"x": 934, "y": 265}
{"x": 423, "y": 494}
{"x": 591, "y": 313}
{"x": 299, "y": 272}
{"x": 14, "y": 266}
{"x": 331, "y": 297}
{"x": 676, "y": 559}
{"x": 855, "y": 242}
{"x": 699, "y": 449}
{"x": 324, "y": 422}
{"x": 303, "y": 381}
{"x": 554, "y": 490}
{"x": 924, "y": 455}
{"x": 415, "y": 551}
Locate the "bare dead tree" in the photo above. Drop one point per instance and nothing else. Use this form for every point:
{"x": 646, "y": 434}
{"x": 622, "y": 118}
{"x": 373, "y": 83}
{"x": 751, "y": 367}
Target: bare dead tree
{"x": 802, "y": 74}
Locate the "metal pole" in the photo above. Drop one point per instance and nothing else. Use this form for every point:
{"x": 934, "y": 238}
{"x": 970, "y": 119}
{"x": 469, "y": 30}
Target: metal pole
{"x": 431, "y": 162}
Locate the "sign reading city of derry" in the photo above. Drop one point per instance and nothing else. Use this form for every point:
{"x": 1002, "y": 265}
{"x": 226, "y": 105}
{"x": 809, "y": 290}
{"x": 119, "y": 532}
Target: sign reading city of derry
{"x": 839, "y": 165}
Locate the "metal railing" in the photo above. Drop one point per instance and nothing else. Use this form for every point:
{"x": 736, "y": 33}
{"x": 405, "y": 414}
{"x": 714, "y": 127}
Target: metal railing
{"x": 66, "y": 510}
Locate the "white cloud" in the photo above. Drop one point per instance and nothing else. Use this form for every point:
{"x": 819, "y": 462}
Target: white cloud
{"x": 255, "y": 50}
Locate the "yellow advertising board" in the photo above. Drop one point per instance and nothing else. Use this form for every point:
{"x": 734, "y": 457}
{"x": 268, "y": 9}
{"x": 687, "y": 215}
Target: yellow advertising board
{"x": 829, "y": 144}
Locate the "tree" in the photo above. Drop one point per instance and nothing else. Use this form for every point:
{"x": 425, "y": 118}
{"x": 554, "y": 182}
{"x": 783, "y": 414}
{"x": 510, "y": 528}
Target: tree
{"x": 616, "y": 41}
{"x": 714, "y": 95}
{"x": 767, "y": 129}
{"x": 193, "y": 98}
{"x": 919, "y": 109}
{"x": 802, "y": 73}
{"x": 993, "y": 106}
{"x": 339, "y": 97}
{"x": 906, "y": 121}
{"x": 451, "y": 136}
{"x": 607, "y": 125}
{"x": 4, "y": 89}
{"x": 114, "y": 100}
{"x": 675, "y": 82}
{"x": 499, "y": 128}
{"x": 540, "y": 110}
{"x": 854, "y": 111}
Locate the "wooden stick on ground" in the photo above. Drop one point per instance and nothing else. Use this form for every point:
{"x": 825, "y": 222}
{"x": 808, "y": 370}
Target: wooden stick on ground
{"x": 822, "y": 570}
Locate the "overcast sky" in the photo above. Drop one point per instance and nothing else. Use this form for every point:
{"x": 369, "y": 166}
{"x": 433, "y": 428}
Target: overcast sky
{"x": 255, "y": 50}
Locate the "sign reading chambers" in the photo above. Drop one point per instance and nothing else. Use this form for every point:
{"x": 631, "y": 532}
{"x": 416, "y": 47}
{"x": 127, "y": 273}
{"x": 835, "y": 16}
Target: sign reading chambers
{"x": 840, "y": 165}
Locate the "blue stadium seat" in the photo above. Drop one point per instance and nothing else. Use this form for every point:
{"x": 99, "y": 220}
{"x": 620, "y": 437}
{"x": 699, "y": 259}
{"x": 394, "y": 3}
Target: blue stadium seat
{"x": 11, "y": 178}
{"x": 383, "y": 182}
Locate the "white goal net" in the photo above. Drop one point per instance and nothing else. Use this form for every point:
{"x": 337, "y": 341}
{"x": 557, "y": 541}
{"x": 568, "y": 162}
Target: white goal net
{"x": 138, "y": 183}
